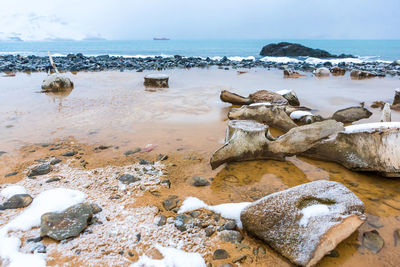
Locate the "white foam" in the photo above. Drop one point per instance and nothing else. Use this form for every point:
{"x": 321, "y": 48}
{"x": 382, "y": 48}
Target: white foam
{"x": 237, "y": 58}
{"x": 280, "y": 59}
{"x": 227, "y": 210}
{"x": 283, "y": 92}
{"x": 172, "y": 258}
{"x": 298, "y": 114}
{"x": 53, "y": 200}
{"x": 313, "y": 211}
{"x": 334, "y": 61}
{"x": 260, "y": 104}
{"x": 12, "y": 190}
{"x": 370, "y": 127}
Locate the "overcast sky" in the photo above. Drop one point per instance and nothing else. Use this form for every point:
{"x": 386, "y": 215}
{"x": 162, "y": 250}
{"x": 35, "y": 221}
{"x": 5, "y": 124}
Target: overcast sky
{"x": 201, "y": 19}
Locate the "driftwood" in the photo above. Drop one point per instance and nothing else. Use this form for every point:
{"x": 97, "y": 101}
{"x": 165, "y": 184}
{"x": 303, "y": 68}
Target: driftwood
{"x": 262, "y": 96}
{"x": 250, "y": 140}
{"x": 234, "y": 99}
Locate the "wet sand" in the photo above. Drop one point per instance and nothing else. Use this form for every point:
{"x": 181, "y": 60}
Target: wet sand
{"x": 187, "y": 122}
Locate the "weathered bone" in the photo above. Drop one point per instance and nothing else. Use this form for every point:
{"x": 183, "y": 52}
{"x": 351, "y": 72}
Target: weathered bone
{"x": 386, "y": 113}
{"x": 250, "y": 140}
{"x": 274, "y": 116}
{"x": 257, "y": 97}
{"x": 234, "y": 99}
{"x": 363, "y": 147}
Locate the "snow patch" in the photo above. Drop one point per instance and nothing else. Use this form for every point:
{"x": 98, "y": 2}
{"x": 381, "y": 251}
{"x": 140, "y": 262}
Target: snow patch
{"x": 313, "y": 211}
{"x": 12, "y": 190}
{"x": 172, "y": 258}
{"x": 298, "y": 114}
{"x": 228, "y": 210}
{"x": 283, "y": 92}
{"x": 370, "y": 127}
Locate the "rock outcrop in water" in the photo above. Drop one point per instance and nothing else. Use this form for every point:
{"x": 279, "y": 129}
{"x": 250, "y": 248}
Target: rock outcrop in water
{"x": 56, "y": 83}
{"x": 285, "y": 49}
{"x": 250, "y": 140}
{"x": 306, "y": 222}
{"x": 351, "y": 114}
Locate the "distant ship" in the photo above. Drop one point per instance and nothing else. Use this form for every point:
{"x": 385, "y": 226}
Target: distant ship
{"x": 160, "y": 39}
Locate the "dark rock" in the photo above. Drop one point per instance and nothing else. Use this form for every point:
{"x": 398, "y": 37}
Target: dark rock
{"x": 373, "y": 241}
{"x": 285, "y": 49}
{"x": 51, "y": 180}
{"x": 171, "y": 202}
{"x": 231, "y": 236}
{"x": 195, "y": 214}
{"x": 333, "y": 254}
{"x": 2, "y": 153}
{"x": 102, "y": 147}
{"x": 10, "y": 174}
{"x": 230, "y": 225}
{"x": 167, "y": 182}
{"x": 162, "y": 157}
{"x": 131, "y": 152}
{"x": 359, "y": 74}
{"x": 39, "y": 248}
{"x": 180, "y": 222}
{"x": 145, "y": 162}
{"x": 351, "y": 114}
{"x": 55, "y": 161}
{"x": 35, "y": 239}
{"x": 96, "y": 208}
{"x": 210, "y": 230}
{"x": 69, "y": 223}
{"x": 69, "y": 154}
{"x": 199, "y": 181}
{"x": 41, "y": 169}
{"x": 17, "y": 201}
{"x": 396, "y": 235}
{"x": 128, "y": 179}
{"x": 220, "y": 254}
{"x": 160, "y": 220}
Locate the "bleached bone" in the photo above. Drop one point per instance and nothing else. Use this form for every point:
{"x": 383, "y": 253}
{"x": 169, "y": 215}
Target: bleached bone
{"x": 386, "y": 113}
{"x": 250, "y": 140}
{"x": 274, "y": 116}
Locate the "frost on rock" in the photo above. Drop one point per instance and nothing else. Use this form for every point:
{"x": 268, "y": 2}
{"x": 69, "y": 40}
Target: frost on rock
{"x": 12, "y": 190}
{"x": 305, "y": 222}
{"x": 363, "y": 147}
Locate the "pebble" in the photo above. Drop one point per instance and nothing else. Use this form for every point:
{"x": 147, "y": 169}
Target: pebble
{"x": 199, "y": 181}
{"x": 210, "y": 230}
{"x": 128, "y": 179}
{"x": 55, "y": 161}
{"x": 220, "y": 254}
{"x": 69, "y": 154}
{"x": 162, "y": 157}
{"x": 171, "y": 202}
{"x": 374, "y": 221}
{"x": 11, "y": 174}
{"x": 231, "y": 236}
{"x": 160, "y": 220}
{"x": 230, "y": 225}
{"x": 145, "y": 162}
{"x": 131, "y": 152}
{"x": 16, "y": 202}
{"x": 373, "y": 241}
{"x": 51, "y": 180}
{"x": 333, "y": 254}
{"x": 41, "y": 169}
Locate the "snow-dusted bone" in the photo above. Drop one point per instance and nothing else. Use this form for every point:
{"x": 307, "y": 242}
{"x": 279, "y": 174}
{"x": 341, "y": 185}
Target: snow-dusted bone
{"x": 305, "y": 222}
{"x": 364, "y": 147}
{"x": 250, "y": 140}
{"x": 273, "y": 115}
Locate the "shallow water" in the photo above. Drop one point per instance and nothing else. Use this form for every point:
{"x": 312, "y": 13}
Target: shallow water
{"x": 113, "y": 108}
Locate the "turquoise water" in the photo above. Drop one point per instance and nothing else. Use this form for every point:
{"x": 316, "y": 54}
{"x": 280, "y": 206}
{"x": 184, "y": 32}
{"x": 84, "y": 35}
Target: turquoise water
{"x": 376, "y": 49}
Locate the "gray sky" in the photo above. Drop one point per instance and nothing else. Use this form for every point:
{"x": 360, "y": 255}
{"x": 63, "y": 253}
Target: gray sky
{"x": 201, "y": 19}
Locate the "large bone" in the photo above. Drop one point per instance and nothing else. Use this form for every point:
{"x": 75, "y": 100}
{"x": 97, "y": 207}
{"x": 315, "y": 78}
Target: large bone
{"x": 364, "y": 147}
{"x": 234, "y": 99}
{"x": 250, "y": 140}
{"x": 274, "y": 116}
{"x": 257, "y": 97}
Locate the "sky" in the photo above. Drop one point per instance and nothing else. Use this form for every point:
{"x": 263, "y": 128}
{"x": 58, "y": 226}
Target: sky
{"x": 200, "y": 19}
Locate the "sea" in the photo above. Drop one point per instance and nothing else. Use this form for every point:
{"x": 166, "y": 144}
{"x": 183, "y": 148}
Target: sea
{"x": 365, "y": 50}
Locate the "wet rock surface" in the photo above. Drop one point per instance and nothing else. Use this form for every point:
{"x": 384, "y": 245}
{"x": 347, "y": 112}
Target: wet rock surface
{"x": 373, "y": 241}
{"x": 56, "y": 83}
{"x": 351, "y": 114}
{"x": 69, "y": 223}
{"x": 16, "y": 202}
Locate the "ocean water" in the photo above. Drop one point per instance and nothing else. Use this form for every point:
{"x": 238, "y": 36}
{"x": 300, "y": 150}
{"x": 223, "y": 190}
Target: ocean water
{"x": 387, "y": 50}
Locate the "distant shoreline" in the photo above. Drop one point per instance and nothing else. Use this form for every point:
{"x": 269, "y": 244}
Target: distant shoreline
{"x": 79, "y": 62}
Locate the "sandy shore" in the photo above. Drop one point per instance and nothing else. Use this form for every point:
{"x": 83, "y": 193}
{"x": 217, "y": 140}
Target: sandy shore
{"x": 186, "y": 122}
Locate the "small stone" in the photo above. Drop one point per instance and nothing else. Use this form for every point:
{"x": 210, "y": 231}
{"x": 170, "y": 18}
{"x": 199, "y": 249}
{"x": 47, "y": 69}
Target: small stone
{"x": 199, "y": 181}
{"x": 210, "y": 230}
{"x": 239, "y": 259}
{"x": 171, "y": 202}
{"x": 51, "y": 180}
{"x": 40, "y": 248}
{"x": 373, "y": 241}
{"x": 2, "y": 153}
{"x": 102, "y": 147}
{"x": 333, "y": 254}
{"x": 55, "y": 161}
{"x": 162, "y": 157}
{"x": 35, "y": 239}
{"x": 131, "y": 152}
{"x": 231, "y": 236}
{"x": 10, "y": 174}
{"x": 166, "y": 182}
{"x": 220, "y": 254}
{"x": 160, "y": 220}
{"x": 69, "y": 154}
{"x": 17, "y": 201}
{"x": 131, "y": 254}
{"x": 230, "y": 225}
{"x": 41, "y": 169}
{"x": 145, "y": 162}
{"x": 195, "y": 214}
{"x": 128, "y": 178}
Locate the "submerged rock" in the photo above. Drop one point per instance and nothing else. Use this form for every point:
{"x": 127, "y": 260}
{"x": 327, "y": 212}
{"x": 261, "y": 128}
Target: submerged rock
{"x": 363, "y": 147}
{"x": 351, "y": 114}
{"x": 56, "y": 83}
{"x": 373, "y": 241}
{"x": 231, "y": 236}
{"x": 199, "y": 181}
{"x": 249, "y": 140}
{"x": 322, "y": 72}
{"x": 16, "y": 202}
{"x": 220, "y": 254}
{"x": 156, "y": 80}
{"x": 69, "y": 223}
{"x": 305, "y": 222}
{"x": 292, "y": 74}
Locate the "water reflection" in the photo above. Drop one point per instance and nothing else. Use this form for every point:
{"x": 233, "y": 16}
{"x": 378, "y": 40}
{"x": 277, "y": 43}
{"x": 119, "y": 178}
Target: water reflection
{"x": 57, "y": 97}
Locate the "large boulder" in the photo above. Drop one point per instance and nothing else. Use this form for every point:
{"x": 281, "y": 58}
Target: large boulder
{"x": 321, "y": 72}
{"x": 285, "y": 49}
{"x": 351, "y": 114}
{"x": 306, "y": 222}
{"x": 156, "y": 80}
{"x": 360, "y": 74}
{"x": 56, "y": 83}
{"x": 363, "y": 147}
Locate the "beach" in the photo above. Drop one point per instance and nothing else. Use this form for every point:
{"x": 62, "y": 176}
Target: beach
{"x": 112, "y": 121}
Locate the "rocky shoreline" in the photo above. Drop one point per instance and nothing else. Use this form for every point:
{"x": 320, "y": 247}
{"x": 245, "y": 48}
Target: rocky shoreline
{"x": 80, "y": 62}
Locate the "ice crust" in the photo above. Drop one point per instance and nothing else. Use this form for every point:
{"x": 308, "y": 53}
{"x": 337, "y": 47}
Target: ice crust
{"x": 298, "y": 114}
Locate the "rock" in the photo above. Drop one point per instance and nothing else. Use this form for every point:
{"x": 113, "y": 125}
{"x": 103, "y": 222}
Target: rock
{"x": 51, "y": 180}
{"x": 11, "y": 174}
{"x": 261, "y": 96}
{"x": 41, "y": 169}
{"x": 210, "y": 230}
{"x": 199, "y": 181}
{"x": 396, "y": 62}
{"x": 285, "y": 49}
{"x": 160, "y": 220}
{"x": 55, "y": 161}
{"x": 56, "y": 83}
{"x": 16, "y": 202}
{"x": 231, "y": 236}
{"x": 351, "y": 114}
{"x": 220, "y": 254}
{"x": 373, "y": 241}
{"x": 171, "y": 202}
{"x": 145, "y": 162}
{"x": 378, "y": 104}
{"x": 322, "y": 72}
{"x": 274, "y": 116}
{"x": 234, "y": 99}
{"x": 386, "y": 113}
{"x": 359, "y": 74}
{"x": 290, "y": 96}
{"x": 39, "y": 248}
{"x": 374, "y": 221}
{"x": 363, "y": 147}
{"x": 162, "y": 157}
{"x": 333, "y": 254}
{"x": 130, "y": 152}
{"x": 180, "y": 222}
{"x": 396, "y": 100}
{"x": 239, "y": 259}
{"x": 128, "y": 179}
{"x": 156, "y": 80}
{"x": 305, "y": 222}
{"x": 230, "y": 225}
{"x": 66, "y": 224}
{"x": 338, "y": 71}
{"x": 249, "y": 140}
{"x": 396, "y": 235}
{"x": 69, "y": 154}
{"x": 292, "y": 74}
{"x": 2, "y": 153}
